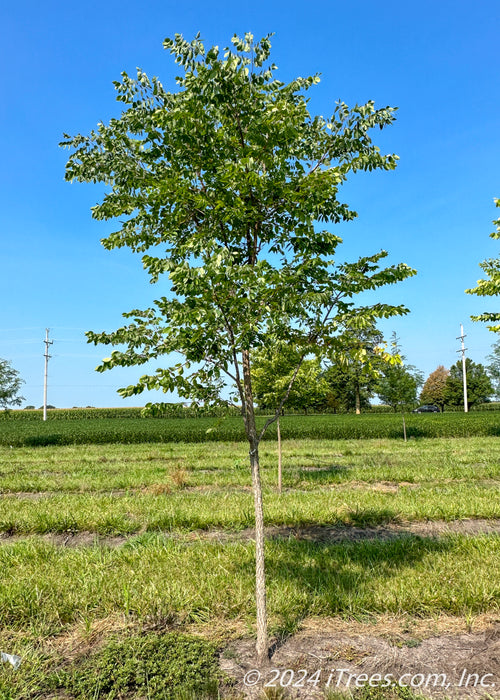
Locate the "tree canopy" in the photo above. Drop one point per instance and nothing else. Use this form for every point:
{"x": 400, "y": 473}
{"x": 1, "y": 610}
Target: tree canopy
{"x": 489, "y": 287}
{"x": 344, "y": 381}
{"x": 272, "y": 371}
{"x": 224, "y": 187}
{"x": 399, "y": 382}
{"x": 10, "y": 385}
{"x": 433, "y": 391}
{"x": 479, "y": 387}
{"x": 353, "y": 374}
{"x": 228, "y": 176}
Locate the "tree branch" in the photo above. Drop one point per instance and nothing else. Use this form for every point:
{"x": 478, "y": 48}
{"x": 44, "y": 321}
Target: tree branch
{"x": 229, "y": 329}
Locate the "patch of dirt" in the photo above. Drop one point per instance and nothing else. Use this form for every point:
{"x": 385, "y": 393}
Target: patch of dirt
{"x": 161, "y": 489}
{"x": 462, "y": 527}
{"x": 179, "y": 479}
{"x": 206, "y": 488}
{"x": 454, "y": 664}
{"x": 390, "y": 625}
{"x": 350, "y": 533}
{"x": 175, "y": 483}
{"x": 316, "y": 533}
{"x": 382, "y": 486}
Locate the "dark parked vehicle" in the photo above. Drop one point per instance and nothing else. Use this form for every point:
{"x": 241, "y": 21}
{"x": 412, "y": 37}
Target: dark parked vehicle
{"x": 426, "y": 409}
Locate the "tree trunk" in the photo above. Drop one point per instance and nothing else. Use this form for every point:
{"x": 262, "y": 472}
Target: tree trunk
{"x": 262, "y": 647}
{"x": 358, "y": 401}
{"x": 279, "y": 455}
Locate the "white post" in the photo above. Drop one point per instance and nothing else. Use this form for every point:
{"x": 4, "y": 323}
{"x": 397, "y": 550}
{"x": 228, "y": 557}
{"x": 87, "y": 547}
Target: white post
{"x": 46, "y": 355}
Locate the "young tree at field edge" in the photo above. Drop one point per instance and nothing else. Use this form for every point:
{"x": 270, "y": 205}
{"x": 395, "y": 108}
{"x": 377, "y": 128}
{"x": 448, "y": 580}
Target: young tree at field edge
{"x": 219, "y": 185}
{"x": 398, "y": 385}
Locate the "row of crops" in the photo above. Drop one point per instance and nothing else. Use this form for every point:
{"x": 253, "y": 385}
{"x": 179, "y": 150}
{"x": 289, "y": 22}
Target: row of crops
{"x": 174, "y": 410}
{"x": 17, "y": 433}
{"x": 178, "y": 410}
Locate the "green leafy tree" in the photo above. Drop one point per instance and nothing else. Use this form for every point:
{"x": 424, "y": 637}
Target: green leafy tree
{"x": 489, "y": 287}
{"x": 479, "y": 387}
{"x": 398, "y": 387}
{"x": 433, "y": 391}
{"x": 354, "y": 372}
{"x": 220, "y": 185}
{"x": 10, "y": 385}
{"x": 494, "y": 368}
{"x": 399, "y": 383}
{"x": 344, "y": 392}
{"x": 272, "y": 372}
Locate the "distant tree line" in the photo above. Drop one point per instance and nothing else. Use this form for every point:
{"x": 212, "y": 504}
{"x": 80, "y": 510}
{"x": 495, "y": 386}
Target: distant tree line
{"x": 349, "y": 381}
{"x": 345, "y": 382}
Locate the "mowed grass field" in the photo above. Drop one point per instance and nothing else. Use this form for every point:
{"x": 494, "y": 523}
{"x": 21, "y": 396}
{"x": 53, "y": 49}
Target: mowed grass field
{"x": 105, "y": 546}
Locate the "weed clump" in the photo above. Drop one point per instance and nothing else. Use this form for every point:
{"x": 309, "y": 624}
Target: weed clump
{"x": 168, "y": 666}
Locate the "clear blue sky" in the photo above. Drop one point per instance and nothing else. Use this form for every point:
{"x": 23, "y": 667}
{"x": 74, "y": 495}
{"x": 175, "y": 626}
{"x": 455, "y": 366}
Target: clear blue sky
{"x": 438, "y": 62}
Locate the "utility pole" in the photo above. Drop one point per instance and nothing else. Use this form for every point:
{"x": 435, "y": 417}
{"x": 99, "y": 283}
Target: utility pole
{"x": 46, "y": 355}
{"x": 464, "y": 372}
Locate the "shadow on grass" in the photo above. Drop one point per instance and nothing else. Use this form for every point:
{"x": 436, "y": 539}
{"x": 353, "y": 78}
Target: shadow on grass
{"x": 348, "y": 578}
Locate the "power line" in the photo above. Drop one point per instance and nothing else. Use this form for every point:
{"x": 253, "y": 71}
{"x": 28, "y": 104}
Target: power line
{"x": 75, "y": 386}
{"x": 26, "y": 328}
{"x": 37, "y": 328}
{"x": 16, "y": 341}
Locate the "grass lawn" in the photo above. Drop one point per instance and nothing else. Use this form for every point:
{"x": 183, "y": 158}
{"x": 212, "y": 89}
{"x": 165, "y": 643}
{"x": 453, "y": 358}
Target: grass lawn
{"x": 183, "y": 555}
